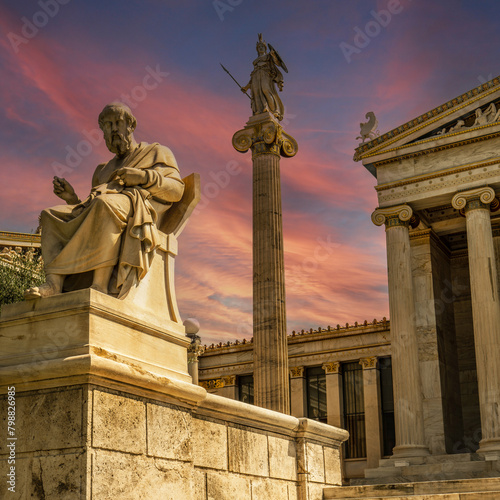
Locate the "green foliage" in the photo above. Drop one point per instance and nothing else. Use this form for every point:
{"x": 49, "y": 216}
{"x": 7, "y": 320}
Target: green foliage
{"x": 18, "y": 272}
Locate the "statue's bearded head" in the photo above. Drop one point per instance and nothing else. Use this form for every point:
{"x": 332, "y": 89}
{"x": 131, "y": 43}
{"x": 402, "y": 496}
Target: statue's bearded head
{"x": 118, "y": 124}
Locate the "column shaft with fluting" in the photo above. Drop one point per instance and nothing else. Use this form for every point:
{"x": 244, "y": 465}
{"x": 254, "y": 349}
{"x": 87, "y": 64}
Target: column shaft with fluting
{"x": 268, "y": 142}
{"x": 408, "y": 404}
{"x": 485, "y": 309}
{"x": 269, "y": 314}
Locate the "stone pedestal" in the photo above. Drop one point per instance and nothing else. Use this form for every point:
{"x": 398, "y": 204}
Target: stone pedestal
{"x": 268, "y": 142}
{"x": 485, "y": 311}
{"x": 104, "y": 409}
{"x": 84, "y": 329}
{"x": 408, "y": 409}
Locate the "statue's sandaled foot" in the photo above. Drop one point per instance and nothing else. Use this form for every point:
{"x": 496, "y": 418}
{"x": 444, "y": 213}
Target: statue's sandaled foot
{"x": 45, "y": 290}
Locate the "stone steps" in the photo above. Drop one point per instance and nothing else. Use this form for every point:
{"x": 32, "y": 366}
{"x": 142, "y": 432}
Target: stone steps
{"x": 463, "y": 489}
{"x": 422, "y": 469}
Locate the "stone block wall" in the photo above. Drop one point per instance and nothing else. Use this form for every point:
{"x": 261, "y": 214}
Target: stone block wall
{"x": 95, "y": 442}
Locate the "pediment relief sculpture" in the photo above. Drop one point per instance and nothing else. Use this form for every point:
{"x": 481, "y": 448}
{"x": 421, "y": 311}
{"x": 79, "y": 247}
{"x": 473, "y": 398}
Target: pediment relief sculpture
{"x": 480, "y": 118}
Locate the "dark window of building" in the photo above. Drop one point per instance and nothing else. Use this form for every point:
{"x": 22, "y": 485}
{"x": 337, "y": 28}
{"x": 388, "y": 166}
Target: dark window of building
{"x": 354, "y": 409}
{"x": 316, "y": 393}
{"x": 245, "y": 389}
{"x": 387, "y": 403}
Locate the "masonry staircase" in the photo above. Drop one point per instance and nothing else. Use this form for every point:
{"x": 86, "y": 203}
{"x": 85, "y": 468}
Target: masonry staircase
{"x": 464, "y": 476}
{"x": 461, "y": 489}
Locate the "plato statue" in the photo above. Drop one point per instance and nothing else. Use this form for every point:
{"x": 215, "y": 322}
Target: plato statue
{"x": 110, "y": 237}
{"x": 264, "y": 79}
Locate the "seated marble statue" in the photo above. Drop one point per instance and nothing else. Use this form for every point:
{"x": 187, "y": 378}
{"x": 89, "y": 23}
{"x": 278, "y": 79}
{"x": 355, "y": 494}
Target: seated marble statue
{"x": 113, "y": 232}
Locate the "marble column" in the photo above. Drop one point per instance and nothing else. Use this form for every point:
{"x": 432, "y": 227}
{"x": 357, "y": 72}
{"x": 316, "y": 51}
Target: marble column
{"x": 334, "y": 402}
{"x": 408, "y": 407}
{"x": 373, "y": 417}
{"x": 475, "y": 204}
{"x": 298, "y": 392}
{"x": 268, "y": 142}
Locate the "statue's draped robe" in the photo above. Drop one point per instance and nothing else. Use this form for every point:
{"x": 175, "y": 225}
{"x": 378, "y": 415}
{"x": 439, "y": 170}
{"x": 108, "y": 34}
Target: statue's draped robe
{"x": 262, "y": 83}
{"x": 115, "y": 225}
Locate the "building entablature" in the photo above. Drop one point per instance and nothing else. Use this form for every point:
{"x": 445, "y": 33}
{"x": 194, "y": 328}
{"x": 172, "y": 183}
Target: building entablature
{"x": 307, "y": 348}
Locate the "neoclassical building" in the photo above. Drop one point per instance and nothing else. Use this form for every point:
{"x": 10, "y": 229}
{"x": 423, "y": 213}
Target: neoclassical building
{"x": 340, "y": 375}
{"x": 438, "y": 184}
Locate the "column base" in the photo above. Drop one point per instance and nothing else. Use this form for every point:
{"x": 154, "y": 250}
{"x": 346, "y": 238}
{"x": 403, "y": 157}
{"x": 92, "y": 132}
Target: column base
{"x": 489, "y": 449}
{"x": 410, "y": 450}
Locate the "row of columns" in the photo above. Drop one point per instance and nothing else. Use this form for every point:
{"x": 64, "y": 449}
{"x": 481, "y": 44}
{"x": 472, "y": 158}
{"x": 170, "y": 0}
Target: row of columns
{"x": 408, "y": 399}
{"x": 334, "y": 401}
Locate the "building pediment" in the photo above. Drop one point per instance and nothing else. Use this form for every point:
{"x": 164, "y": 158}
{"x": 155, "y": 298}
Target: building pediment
{"x": 470, "y": 117}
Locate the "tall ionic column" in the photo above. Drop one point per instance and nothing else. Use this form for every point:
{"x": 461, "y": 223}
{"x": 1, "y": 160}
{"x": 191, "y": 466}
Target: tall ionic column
{"x": 408, "y": 407}
{"x": 265, "y": 136}
{"x": 475, "y": 203}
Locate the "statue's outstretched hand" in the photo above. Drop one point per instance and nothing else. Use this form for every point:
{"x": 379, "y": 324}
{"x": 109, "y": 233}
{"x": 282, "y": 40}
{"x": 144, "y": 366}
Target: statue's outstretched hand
{"x": 65, "y": 191}
{"x": 131, "y": 176}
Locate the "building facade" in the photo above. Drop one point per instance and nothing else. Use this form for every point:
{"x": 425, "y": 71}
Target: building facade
{"x": 338, "y": 375}
{"x": 438, "y": 187}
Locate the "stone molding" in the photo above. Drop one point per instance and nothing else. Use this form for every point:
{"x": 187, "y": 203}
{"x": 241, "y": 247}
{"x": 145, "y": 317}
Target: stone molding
{"x": 454, "y": 180}
{"x": 479, "y": 198}
{"x": 369, "y": 363}
{"x": 399, "y": 215}
{"x": 333, "y": 367}
{"x": 297, "y": 372}
{"x": 436, "y": 149}
{"x": 437, "y": 175}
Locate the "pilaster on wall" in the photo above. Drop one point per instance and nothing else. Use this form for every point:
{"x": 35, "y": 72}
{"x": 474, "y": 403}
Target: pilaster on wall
{"x": 373, "y": 416}
{"x": 298, "y": 392}
{"x": 434, "y": 316}
{"x": 334, "y": 400}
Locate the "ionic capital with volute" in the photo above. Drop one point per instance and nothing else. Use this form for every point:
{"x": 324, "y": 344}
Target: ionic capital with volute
{"x": 472, "y": 199}
{"x": 399, "y": 215}
{"x": 265, "y": 136}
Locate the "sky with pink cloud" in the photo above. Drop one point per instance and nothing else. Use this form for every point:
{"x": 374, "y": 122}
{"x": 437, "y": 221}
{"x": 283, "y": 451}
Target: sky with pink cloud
{"x": 61, "y": 61}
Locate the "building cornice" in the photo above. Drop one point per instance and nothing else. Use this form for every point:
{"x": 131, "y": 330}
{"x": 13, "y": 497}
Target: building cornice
{"x": 424, "y": 120}
{"x": 435, "y": 149}
{"x": 306, "y": 335}
{"x": 441, "y": 173}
